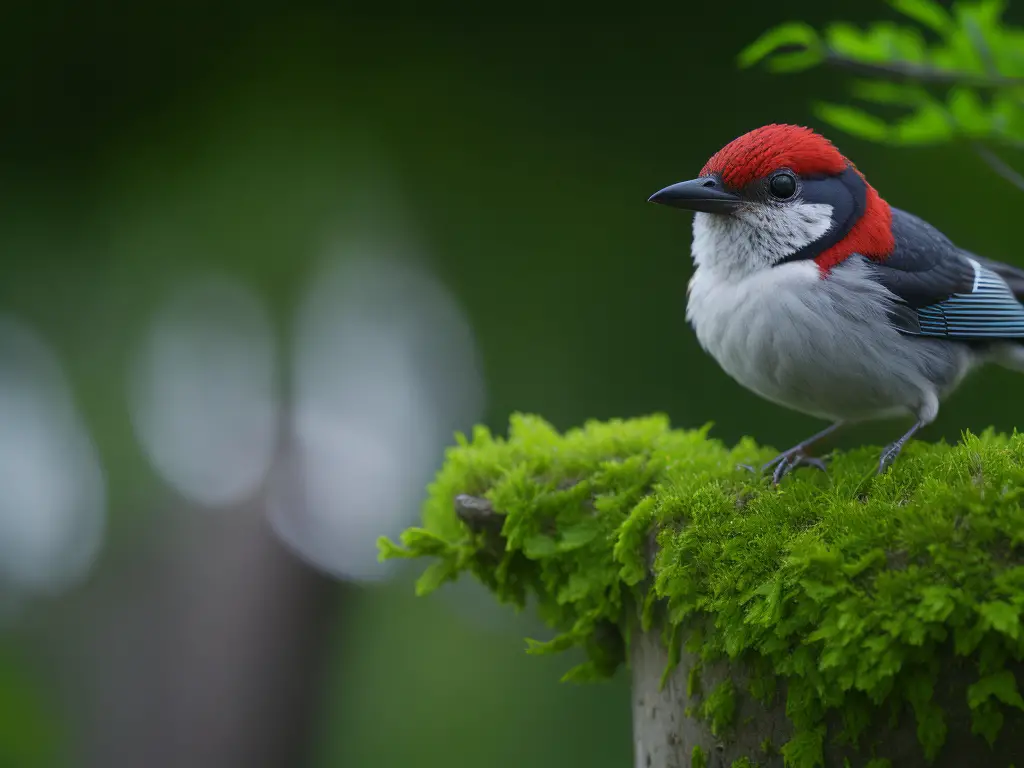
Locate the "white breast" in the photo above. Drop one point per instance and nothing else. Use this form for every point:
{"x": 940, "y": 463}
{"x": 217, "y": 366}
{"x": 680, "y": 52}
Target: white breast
{"x": 820, "y": 346}
{"x": 752, "y": 325}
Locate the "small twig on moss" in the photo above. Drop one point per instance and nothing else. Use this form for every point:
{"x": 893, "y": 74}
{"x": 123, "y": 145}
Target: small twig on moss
{"x": 904, "y": 70}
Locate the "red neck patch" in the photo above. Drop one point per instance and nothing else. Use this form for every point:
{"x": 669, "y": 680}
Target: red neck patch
{"x": 756, "y": 154}
{"x": 871, "y": 236}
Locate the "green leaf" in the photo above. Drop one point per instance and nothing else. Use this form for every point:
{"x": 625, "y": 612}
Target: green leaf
{"x": 931, "y": 729}
{"x": 1002, "y": 685}
{"x": 719, "y": 707}
{"x": 936, "y": 603}
{"x": 1002, "y": 617}
{"x": 796, "y": 61}
{"x": 874, "y": 557}
{"x": 925, "y": 12}
{"x": 850, "y": 42}
{"x": 424, "y": 542}
{"x": 985, "y": 16}
{"x": 854, "y": 121}
{"x": 556, "y": 644}
{"x": 577, "y": 588}
{"x": 967, "y": 109}
{"x": 792, "y": 34}
{"x": 437, "y": 573}
{"x": 884, "y": 92}
{"x": 388, "y": 550}
{"x": 675, "y": 653}
{"x": 987, "y": 721}
{"x": 1007, "y": 116}
{"x": 930, "y": 124}
{"x": 931, "y": 723}
{"x": 578, "y": 535}
{"x": 806, "y": 748}
{"x": 539, "y": 546}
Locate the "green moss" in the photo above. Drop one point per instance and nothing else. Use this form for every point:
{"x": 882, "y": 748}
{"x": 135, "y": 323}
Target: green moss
{"x": 693, "y": 681}
{"x": 698, "y": 758}
{"x": 719, "y": 708}
{"x": 743, "y": 762}
{"x": 762, "y": 683}
{"x": 851, "y": 588}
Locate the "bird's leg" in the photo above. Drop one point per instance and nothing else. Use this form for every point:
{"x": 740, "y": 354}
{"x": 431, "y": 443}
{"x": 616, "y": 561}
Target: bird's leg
{"x": 795, "y": 457}
{"x": 893, "y": 449}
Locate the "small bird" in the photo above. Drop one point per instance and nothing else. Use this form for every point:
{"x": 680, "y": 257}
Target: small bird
{"x": 813, "y": 292}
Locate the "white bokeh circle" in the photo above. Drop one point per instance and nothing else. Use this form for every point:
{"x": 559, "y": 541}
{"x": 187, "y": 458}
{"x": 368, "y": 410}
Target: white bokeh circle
{"x": 203, "y": 392}
{"x": 385, "y": 370}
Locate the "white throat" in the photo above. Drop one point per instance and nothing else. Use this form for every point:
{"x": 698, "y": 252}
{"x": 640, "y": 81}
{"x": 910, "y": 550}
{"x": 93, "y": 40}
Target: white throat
{"x": 756, "y": 236}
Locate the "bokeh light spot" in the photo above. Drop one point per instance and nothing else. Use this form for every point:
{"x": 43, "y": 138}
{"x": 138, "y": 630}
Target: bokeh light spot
{"x": 385, "y": 370}
{"x": 53, "y": 505}
{"x": 203, "y": 392}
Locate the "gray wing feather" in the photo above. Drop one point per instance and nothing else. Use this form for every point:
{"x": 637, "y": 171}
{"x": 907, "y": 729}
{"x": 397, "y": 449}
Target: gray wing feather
{"x": 942, "y": 291}
{"x": 989, "y": 311}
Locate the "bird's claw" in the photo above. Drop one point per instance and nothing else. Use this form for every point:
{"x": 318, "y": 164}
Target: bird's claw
{"x": 889, "y": 455}
{"x": 792, "y": 461}
{"x": 785, "y": 463}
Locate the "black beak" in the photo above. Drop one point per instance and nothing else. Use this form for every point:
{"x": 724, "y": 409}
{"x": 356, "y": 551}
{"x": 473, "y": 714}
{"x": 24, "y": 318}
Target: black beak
{"x": 704, "y": 194}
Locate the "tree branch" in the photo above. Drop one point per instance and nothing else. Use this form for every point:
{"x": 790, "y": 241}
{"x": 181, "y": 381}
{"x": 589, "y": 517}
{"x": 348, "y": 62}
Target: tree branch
{"x": 998, "y": 165}
{"x": 905, "y": 70}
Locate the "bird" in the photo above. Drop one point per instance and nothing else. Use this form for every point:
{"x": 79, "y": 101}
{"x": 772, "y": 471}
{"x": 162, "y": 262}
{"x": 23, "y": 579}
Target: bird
{"x": 813, "y": 292}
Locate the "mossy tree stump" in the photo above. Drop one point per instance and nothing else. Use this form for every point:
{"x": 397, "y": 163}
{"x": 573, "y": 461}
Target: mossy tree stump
{"x": 841, "y": 619}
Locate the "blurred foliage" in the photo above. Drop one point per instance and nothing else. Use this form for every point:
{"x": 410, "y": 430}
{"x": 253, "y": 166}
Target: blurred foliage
{"x": 31, "y": 735}
{"x": 945, "y": 75}
{"x": 847, "y": 586}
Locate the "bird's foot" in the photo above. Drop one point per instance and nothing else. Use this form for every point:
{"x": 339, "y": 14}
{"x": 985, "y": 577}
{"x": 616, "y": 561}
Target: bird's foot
{"x": 785, "y": 463}
{"x": 793, "y": 461}
{"x": 889, "y": 455}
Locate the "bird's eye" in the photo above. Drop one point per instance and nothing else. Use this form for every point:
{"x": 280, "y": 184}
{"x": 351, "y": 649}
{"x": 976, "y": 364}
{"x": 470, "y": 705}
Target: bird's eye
{"x": 782, "y": 185}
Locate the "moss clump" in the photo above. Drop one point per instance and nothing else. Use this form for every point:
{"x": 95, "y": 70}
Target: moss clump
{"x": 719, "y": 708}
{"x": 850, "y": 588}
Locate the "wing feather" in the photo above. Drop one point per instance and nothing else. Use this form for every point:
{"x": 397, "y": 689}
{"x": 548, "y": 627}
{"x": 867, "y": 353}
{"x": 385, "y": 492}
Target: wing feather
{"x": 943, "y": 292}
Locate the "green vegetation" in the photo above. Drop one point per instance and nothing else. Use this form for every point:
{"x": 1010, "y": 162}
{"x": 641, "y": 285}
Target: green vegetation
{"x": 943, "y": 75}
{"x": 851, "y": 588}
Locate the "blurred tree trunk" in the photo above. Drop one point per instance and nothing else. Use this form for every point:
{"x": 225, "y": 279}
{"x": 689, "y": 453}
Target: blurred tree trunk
{"x": 205, "y": 648}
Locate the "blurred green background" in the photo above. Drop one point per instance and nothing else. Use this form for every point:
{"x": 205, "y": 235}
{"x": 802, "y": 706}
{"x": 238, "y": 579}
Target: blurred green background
{"x": 261, "y": 260}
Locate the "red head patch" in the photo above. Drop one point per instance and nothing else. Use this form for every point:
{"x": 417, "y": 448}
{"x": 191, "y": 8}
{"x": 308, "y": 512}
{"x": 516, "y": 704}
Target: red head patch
{"x": 756, "y": 154}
